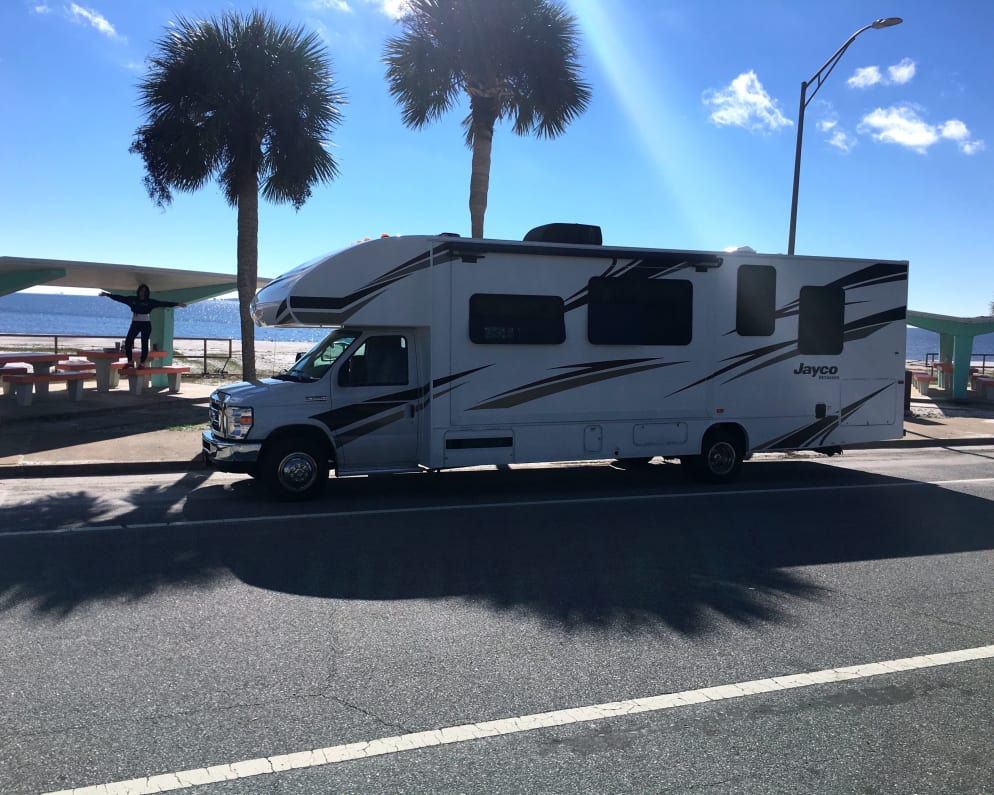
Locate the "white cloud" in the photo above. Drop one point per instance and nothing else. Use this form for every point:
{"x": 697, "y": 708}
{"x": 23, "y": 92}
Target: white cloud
{"x": 394, "y": 9}
{"x": 899, "y": 125}
{"x": 745, "y": 103}
{"x": 842, "y": 140}
{"x": 96, "y": 20}
{"x": 897, "y": 75}
{"x": 902, "y": 125}
{"x": 865, "y": 77}
{"x": 334, "y": 5}
{"x": 902, "y": 72}
{"x": 835, "y": 135}
{"x": 954, "y": 129}
{"x": 42, "y": 8}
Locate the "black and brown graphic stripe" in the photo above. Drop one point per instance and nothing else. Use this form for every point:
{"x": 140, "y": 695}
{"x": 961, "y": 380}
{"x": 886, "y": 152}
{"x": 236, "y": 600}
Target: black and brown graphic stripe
{"x": 578, "y": 375}
{"x": 755, "y": 360}
{"x": 360, "y": 419}
{"x": 814, "y": 434}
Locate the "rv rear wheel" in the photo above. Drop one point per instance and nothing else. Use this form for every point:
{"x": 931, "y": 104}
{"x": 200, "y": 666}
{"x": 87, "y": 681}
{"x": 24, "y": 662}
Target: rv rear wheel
{"x": 295, "y": 468}
{"x": 720, "y": 459}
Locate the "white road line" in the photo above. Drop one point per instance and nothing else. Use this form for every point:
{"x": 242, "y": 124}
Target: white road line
{"x": 243, "y": 520}
{"x": 335, "y": 754}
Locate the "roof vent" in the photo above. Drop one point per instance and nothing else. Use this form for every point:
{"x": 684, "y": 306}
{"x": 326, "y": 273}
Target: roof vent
{"x": 581, "y": 234}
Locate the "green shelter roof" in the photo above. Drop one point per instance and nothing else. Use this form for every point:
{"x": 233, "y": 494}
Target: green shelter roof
{"x": 947, "y": 324}
{"x": 169, "y": 284}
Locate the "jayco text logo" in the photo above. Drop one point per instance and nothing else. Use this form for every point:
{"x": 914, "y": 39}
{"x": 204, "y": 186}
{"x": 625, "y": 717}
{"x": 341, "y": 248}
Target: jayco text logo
{"x": 827, "y": 371}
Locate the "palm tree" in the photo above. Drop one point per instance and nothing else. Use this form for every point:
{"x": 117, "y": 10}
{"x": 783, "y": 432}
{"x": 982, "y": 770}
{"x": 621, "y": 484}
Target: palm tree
{"x": 514, "y": 59}
{"x": 250, "y": 102}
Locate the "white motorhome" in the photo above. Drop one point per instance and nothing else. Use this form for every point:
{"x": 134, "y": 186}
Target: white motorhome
{"x": 452, "y": 352}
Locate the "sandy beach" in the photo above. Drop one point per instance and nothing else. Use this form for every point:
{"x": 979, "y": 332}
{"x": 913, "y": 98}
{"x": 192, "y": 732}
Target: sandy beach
{"x": 213, "y": 358}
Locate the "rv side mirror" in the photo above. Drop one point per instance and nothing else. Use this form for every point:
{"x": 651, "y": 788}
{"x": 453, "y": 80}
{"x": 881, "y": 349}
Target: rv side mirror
{"x": 298, "y": 357}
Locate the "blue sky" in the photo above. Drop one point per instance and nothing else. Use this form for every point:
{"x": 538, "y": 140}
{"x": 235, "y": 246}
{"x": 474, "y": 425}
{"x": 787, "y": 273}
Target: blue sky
{"x": 688, "y": 142}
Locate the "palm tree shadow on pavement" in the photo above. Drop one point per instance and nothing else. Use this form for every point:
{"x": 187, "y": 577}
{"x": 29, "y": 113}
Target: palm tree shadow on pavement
{"x": 592, "y": 565}
{"x": 580, "y": 570}
{"x": 577, "y": 577}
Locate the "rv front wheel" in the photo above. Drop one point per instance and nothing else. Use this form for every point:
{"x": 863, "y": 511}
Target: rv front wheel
{"x": 295, "y": 469}
{"x": 720, "y": 459}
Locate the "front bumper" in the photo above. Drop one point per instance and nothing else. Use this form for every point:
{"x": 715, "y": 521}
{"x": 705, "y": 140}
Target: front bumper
{"x": 229, "y": 456}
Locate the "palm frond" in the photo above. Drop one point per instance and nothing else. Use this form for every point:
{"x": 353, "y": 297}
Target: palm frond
{"x": 224, "y": 96}
{"x": 523, "y": 53}
{"x": 420, "y": 77}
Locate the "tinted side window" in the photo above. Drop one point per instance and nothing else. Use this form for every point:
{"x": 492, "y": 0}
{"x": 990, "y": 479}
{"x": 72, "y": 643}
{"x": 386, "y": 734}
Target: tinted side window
{"x": 499, "y": 319}
{"x": 821, "y": 320}
{"x": 379, "y": 361}
{"x": 756, "y": 301}
{"x": 640, "y": 311}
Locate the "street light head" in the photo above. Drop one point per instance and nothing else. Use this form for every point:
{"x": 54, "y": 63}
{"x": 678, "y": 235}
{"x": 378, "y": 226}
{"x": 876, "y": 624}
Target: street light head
{"x": 887, "y": 23}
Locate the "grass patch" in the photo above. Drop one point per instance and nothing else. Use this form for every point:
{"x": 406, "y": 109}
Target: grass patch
{"x": 200, "y": 426}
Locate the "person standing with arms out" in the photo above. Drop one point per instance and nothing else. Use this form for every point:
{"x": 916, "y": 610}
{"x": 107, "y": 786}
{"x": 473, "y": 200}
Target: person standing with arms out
{"x": 141, "y": 306}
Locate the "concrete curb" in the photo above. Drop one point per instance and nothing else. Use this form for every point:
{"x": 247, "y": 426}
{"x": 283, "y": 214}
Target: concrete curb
{"x": 87, "y": 469}
{"x": 978, "y": 441}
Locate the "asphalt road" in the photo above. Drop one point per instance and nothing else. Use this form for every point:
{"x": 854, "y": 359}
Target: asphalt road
{"x": 160, "y": 624}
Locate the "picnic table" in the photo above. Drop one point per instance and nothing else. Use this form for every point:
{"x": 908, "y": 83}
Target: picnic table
{"x": 41, "y": 364}
{"x": 945, "y": 374}
{"x": 105, "y": 361}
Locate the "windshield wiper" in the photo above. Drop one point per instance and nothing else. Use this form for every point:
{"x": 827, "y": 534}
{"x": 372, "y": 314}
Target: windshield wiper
{"x": 295, "y": 377}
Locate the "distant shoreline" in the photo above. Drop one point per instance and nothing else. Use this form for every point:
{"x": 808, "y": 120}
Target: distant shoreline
{"x": 271, "y": 357}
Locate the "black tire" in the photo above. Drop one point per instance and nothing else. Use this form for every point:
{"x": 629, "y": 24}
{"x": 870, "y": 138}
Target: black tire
{"x": 721, "y": 457}
{"x": 295, "y": 469}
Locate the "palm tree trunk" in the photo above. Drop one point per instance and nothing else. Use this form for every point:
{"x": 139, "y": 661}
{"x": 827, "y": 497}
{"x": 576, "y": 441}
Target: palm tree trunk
{"x": 248, "y": 267}
{"x": 484, "y": 114}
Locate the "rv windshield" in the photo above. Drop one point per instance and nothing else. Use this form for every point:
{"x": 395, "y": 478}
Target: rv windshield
{"x": 315, "y": 363}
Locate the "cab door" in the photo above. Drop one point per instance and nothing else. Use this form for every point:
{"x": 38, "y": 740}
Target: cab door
{"x": 374, "y": 405}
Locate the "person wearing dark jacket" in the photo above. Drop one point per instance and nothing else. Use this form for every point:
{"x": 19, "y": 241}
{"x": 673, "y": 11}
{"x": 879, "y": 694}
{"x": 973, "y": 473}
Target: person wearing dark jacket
{"x": 141, "y": 305}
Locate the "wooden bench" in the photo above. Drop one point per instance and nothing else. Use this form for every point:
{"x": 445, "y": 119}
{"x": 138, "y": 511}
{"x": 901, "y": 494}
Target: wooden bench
{"x": 921, "y": 381}
{"x": 984, "y": 385}
{"x": 10, "y": 369}
{"x": 138, "y": 379}
{"x": 76, "y": 367}
{"x": 24, "y": 384}
{"x": 115, "y": 373}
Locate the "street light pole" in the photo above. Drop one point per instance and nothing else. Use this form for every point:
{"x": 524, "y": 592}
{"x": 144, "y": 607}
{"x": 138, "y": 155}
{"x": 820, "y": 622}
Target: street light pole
{"x": 818, "y": 78}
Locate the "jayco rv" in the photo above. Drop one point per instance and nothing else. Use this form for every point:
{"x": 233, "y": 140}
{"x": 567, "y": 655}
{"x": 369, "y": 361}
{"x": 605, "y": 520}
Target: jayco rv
{"x": 451, "y": 352}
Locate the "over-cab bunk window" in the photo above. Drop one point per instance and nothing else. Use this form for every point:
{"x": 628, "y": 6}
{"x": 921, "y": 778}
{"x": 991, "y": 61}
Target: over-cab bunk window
{"x": 640, "y": 311}
{"x": 500, "y": 319}
{"x": 756, "y": 301}
{"x": 821, "y": 320}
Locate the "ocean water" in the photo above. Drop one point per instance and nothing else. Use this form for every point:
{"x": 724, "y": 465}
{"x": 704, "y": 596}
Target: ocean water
{"x": 43, "y": 313}
{"x": 92, "y": 315}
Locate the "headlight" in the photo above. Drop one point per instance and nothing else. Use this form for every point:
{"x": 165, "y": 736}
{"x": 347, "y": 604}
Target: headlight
{"x": 229, "y": 421}
{"x": 236, "y": 422}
